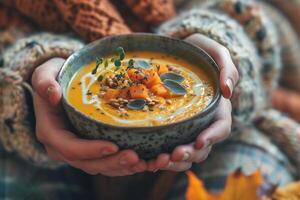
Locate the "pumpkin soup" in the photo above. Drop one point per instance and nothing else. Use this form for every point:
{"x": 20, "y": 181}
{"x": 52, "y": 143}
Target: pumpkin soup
{"x": 140, "y": 89}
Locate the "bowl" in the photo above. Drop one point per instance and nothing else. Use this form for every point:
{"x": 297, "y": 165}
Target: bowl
{"x": 150, "y": 141}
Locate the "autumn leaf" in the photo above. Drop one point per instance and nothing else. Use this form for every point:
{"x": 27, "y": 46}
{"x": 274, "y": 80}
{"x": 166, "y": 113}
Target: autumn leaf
{"x": 238, "y": 186}
{"x": 289, "y": 192}
{"x": 196, "y": 189}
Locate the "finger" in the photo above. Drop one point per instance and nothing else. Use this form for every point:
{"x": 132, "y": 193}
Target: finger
{"x": 201, "y": 155}
{"x": 178, "y": 166}
{"x": 160, "y": 162}
{"x": 52, "y": 154}
{"x": 141, "y": 166}
{"x": 44, "y": 80}
{"x": 151, "y": 166}
{"x": 229, "y": 75}
{"x": 51, "y": 131}
{"x": 188, "y": 153}
{"x": 121, "y": 161}
{"x": 183, "y": 153}
{"x": 219, "y": 130}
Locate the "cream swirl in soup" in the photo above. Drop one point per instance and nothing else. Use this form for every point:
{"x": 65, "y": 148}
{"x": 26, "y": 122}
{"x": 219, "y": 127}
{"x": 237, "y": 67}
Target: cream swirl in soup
{"x": 140, "y": 89}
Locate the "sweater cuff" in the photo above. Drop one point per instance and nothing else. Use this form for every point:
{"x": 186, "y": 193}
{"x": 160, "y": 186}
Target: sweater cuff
{"x": 17, "y": 132}
{"x": 283, "y": 131}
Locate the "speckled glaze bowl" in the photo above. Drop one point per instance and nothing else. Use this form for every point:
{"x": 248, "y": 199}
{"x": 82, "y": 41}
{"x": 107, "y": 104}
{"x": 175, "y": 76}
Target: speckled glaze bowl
{"x": 148, "y": 142}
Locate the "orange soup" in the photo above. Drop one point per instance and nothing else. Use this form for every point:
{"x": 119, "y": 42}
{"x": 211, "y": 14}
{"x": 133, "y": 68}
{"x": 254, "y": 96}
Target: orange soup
{"x": 140, "y": 89}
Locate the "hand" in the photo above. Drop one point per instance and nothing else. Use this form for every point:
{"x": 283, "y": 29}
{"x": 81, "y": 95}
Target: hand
{"x": 183, "y": 156}
{"x": 91, "y": 156}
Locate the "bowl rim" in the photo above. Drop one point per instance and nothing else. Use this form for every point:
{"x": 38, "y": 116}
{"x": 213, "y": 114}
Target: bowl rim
{"x": 200, "y": 114}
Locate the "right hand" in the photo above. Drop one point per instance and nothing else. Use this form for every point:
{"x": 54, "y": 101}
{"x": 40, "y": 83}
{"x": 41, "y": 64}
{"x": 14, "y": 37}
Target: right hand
{"x": 92, "y": 156}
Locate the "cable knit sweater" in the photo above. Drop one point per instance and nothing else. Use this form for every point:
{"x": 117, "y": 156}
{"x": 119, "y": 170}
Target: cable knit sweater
{"x": 259, "y": 38}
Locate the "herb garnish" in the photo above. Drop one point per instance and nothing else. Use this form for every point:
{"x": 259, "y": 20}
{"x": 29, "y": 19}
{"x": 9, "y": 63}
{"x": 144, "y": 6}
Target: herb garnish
{"x": 130, "y": 63}
{"x": 117, "y": 64}
{"x": 98, "y": 63}
{"x": 100, "y": 77}
{"x": 121, "y": 55}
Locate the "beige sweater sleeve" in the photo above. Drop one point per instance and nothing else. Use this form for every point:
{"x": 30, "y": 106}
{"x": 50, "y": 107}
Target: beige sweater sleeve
{"x": 17, "y": 123}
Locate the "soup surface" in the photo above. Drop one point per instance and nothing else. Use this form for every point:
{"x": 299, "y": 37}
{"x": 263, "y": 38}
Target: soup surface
{"x": 140, "y": 89}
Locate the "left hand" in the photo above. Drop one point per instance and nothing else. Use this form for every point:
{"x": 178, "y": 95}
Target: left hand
{"x": 183, "y": 156}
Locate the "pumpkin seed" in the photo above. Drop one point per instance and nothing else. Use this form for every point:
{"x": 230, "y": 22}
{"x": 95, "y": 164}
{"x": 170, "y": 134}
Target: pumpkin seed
{"x": 141, "y": 64}
{"x": 172, "y": 76}
{"x": 174, "y": 87}
{"x": 137, "y": 104}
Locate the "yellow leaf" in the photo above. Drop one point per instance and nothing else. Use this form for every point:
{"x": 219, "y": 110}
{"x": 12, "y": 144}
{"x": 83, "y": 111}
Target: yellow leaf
{"x": 289, "y": 192}
{"x": 196, "y": 189}
{"x": 238, "y": 187}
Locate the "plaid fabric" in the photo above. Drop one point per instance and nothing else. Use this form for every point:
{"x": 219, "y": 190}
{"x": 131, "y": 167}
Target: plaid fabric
{"x": 249, "y": 150}
{"x": 20, "y": 181}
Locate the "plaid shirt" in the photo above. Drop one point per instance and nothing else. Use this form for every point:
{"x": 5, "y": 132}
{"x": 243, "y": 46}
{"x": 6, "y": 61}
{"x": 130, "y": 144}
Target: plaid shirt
{"x": 248, "y": 150}
{"x": 22, "y": 181}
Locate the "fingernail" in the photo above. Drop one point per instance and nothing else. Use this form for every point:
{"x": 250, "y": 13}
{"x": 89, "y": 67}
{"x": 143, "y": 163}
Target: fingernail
{"x": 186, "y": 156}
{"x": 49, "y": 90}
{"x": 106, "y": 152}
{"x": 229, "y": 84}
{"x": 123, "y": 161}
{"x": 170, "y": 164}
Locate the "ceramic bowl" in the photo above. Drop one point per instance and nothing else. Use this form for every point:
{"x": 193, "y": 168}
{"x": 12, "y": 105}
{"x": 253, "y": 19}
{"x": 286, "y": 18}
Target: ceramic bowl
{"x": 148, "y": 142}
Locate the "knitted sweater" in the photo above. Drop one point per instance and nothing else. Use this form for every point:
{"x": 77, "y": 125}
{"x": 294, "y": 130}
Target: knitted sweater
{"x": 258, "y": 37}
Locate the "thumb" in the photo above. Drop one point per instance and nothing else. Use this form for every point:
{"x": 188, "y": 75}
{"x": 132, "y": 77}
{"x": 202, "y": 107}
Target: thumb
{"x": 44, "y": 80}
{"x": 229, "y": 75}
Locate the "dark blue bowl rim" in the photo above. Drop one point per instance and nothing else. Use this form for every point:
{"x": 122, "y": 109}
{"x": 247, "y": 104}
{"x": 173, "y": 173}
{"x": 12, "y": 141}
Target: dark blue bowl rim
{"x": 208, "y": 109}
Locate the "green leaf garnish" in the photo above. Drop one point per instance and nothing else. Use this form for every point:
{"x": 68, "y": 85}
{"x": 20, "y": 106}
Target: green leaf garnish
{"x": 141, "y": 64}
{"x": 120, "y": 52}
{"x": 117, "y": 64}
{"x": 130, "y": 63}
{"x": 137, "y": 104}
{"x": 172, "y": 76}
{"x": 98, "y": 63}
{"x": 100, "y": 77}
{"x": 174, "y": 87}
